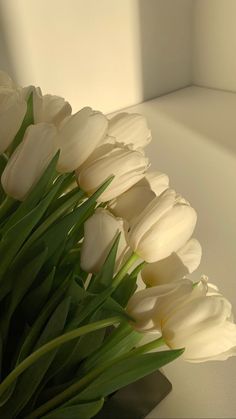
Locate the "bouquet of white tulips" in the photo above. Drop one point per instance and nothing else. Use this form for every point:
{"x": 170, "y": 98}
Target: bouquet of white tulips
{"x": 81, "y": 217}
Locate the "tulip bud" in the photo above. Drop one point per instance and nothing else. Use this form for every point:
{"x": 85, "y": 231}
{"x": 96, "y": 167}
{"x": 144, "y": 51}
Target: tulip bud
{"x": 49, "y": 108}
{"x": 100, "y": 231}
{"x": 162, "y": 228}
{"x": 127, "y": 166}
{"x": 29, "y": 160}
{"x": 130, "y": 129}
{"x": 175, "y": 266}
{"x": 99, "y": 151}
{"x": 157, "y": 181}
{"x": 194, "y": 318}
{"x": 132, "y": 202}
{"x": 79, "y": 136}
{"x": 12, "y": 112}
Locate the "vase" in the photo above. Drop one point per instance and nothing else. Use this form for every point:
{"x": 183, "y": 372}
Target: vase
{"x": 138, "y": 399}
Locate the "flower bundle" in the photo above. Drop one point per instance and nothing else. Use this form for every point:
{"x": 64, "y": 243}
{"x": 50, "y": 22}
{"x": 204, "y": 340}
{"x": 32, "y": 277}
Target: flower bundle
{"x": 81, "y": 216}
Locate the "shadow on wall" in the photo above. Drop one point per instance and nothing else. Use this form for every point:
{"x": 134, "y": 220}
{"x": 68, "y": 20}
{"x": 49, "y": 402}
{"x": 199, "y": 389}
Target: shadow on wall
{"x": 155, "y": 61}
{"x": 166, "y": 45}
{"x": 6, "y": 63}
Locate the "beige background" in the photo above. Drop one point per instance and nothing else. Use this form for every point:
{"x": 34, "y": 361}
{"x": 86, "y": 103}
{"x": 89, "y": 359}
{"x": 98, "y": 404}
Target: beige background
{"x": 105, "y": 53}
{"x": 214, "y": 44}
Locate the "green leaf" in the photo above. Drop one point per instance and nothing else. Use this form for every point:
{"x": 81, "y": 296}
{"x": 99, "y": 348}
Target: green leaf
{"x": 69, "y": 179}
{"x": 124, "y": 372}
{"x": 111, "y": 307}
{"x": 28, "y": 383}
{"x": 120, "y": 340}
{"x": 62, "y": 195}
{"x": 1, "y": 353}
{"x": 72, "y": 260}
{"x": 65, "y": 205}
{"x": 61, "y": 228}
{"x": 3, "y": 163}
{"x": 14, "y": 238}
{"x": 5, "y": 287}
{"x": 88, "y": 306}
{"x": 34, "y": 332}
{"x": 82, "y": 411}
{"x": 35, "y": 195}
{"x": 7, "y": 208}
{"x": 52, "y": 345}
{"x": 28, "y": 120}
{"x": 22, "y": 283}
{"x": 26, "y": 277}
{"x": 33, "y": 335}
{"x": 36, "y": 299}
{"x": 69, "y": 356}
{"x": 104, "y": 278}
{"x": 125, "y": 289}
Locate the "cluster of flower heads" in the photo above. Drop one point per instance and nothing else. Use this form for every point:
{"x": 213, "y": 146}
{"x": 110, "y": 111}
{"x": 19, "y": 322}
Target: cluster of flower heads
{"x": 155, "y": 222}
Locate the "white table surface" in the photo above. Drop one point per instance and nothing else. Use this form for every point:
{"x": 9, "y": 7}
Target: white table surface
{"x": 194, "y": 142}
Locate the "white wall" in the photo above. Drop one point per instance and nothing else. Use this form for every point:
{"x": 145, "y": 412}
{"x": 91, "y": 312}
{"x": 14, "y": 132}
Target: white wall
{"x": 107, "y": 53}
{"x": 115, "y": 53}
{"x": 84, "y": 50}
{"x": 214, "y": 46}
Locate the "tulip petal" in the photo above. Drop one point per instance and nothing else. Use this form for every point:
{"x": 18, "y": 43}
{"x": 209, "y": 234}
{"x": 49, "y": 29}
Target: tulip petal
{"x": 168, "y": 234}
{"x": 49, "y": 108}
{"x": 100, "y": 231}
{"x": 157, "y": 181}
{"x": 21, "y": 172}
{"x": 127, "y": 166}
{"x": 78, "y": 138}
{"x": 151, "y": 214}
{"x": 164, "y": 271}
{"x": 190, "y": 254}
{"x": 132, "y": 202}
{"x": 130, "y": 130}
{"x": 12, "y": 112}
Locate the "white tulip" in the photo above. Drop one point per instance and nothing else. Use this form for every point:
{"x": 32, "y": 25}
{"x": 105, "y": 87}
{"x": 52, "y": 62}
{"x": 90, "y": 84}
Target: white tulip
{"x": 191, "y": 254}
{"x": 100, "y": 231}
{"x": 130, "y": 129}
{"x": 12, "y": 112}
{"x": 157, "y": 181}
{"x": 49, "y": 108}
{"x": 163, "y": 227}
{"x": 79, "y": 136}
{"x": 132, "y": 202}
{"x": 99, "y": 151}
{"x": 190, "y": 317}
{"x": 29, "y": 160}
{"x": 174, "y": 267}
{"x": 127, "y": 166}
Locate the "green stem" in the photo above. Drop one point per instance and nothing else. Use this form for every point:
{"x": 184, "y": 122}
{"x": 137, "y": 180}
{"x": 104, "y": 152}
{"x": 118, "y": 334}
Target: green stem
{"x": 53, "y": 344}
{"x": 73, "y": 390}
{"x": 154, "y": 344}
{"x": 123, "y": 271}
{"x": 138, "y": 268}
